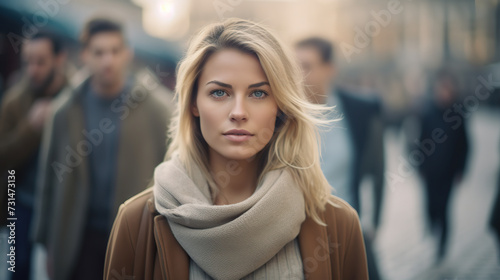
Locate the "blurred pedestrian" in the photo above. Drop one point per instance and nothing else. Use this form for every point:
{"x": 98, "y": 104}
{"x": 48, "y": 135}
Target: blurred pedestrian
{"x": 444, "y": 142}
{"x": 495, "y": 216}
{"x": 353, "y": 147}
{"x": 23, "y": 115}
{"x": 101, "y": 147}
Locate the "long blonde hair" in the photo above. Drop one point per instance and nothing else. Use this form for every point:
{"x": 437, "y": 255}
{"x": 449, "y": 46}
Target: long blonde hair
{"x": 295, "y": 144}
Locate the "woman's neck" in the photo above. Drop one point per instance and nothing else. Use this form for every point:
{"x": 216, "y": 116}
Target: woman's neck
{"x": 235, "y": 179}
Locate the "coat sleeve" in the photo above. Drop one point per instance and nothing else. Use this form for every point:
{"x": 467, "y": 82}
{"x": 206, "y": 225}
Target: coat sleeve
{"x": 18, "y": 140}
{"x": 355, "y": 264}
{"x": 45, "y": 182}
{"x": 120, "y": 253}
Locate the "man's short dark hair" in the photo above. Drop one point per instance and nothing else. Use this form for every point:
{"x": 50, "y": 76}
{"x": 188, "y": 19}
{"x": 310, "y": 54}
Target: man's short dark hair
{"x": 99, "y": 25}
{"x": 322, "y": 46}
{"x": 55, "y": 40}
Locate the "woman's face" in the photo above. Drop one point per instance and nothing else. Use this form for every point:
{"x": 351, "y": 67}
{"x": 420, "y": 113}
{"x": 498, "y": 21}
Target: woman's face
{"x": 235, "y": 104}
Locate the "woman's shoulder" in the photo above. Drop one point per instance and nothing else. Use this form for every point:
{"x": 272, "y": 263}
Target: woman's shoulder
{"x": 340, "y": 214}
{"x": 133, "y": 214}
{"x": 339, "y": 205}
{"x": 138, "y": 201}
{"x": 132, "y": 229}
{"x": 342, "y": 237}
{"x": 344, "y": 232}
{"x": 132, "y": 210}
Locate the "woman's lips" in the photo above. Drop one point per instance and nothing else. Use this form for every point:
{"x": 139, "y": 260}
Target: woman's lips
{"x": 238, "y": 137}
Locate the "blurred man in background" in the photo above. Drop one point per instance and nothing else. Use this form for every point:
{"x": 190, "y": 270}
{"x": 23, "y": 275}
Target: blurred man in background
{"x": 444, "y": 141}
{"x": 102, "y": 145}
{"x": 24, "y": 110}
{"x": 494, "y": 222}
{"x": 353, "y": 147}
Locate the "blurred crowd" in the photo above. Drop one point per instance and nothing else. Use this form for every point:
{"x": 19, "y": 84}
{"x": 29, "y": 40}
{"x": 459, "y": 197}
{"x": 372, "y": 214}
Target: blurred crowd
{"x": 71, "y": 131}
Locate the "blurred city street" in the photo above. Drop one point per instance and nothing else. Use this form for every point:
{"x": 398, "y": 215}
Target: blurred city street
{"x": 404, "y": 247}
{"x": 91, "y": 98}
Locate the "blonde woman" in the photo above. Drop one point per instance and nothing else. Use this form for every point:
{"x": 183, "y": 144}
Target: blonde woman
{"x": 241, "y": 194}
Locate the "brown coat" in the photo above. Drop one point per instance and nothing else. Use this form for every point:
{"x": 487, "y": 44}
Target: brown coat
{"x": 142, "y": 246}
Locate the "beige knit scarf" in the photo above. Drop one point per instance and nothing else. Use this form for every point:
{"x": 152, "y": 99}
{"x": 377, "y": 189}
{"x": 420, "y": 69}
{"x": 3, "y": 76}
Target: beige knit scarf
{"x": 228, "y": 241}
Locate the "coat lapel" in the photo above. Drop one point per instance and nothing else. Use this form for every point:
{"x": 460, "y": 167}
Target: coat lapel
{"x": 314, "y": 249}
{"x": 173, "y": 259}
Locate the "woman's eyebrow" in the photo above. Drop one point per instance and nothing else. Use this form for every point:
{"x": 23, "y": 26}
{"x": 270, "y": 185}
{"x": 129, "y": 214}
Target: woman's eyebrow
{"x": 230, "y": 86}
{"x": 220, "y": 84}
{"x": 258, "y": 84}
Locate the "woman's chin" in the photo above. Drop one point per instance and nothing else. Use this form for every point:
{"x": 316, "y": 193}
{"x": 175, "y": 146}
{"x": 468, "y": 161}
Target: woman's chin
{"x": 240, "y": 153}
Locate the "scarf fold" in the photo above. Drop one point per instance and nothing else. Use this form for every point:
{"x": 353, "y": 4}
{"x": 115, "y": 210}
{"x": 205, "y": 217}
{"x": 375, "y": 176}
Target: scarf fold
{"x": 228, "y": 241}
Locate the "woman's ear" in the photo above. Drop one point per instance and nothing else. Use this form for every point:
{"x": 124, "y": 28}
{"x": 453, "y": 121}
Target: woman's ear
{"x": 194, "y": 109}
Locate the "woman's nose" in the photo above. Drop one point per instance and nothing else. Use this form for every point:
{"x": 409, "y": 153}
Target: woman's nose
{"x": 238, "y": 111}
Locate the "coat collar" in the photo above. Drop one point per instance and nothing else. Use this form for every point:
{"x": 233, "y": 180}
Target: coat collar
{"x": 313, "y": 243}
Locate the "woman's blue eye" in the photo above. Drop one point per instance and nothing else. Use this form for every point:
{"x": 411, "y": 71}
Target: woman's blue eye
{"x": 259, "y": 94}
{"x": 218, "y": 93}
